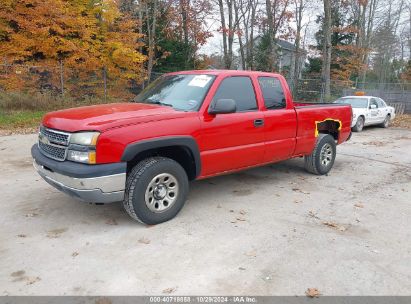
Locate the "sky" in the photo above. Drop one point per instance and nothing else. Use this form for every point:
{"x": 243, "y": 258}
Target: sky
{"x": 214, "y": 43}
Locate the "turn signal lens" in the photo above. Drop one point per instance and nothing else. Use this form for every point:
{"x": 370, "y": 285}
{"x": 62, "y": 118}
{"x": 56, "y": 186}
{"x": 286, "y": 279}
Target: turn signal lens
{"x": 87, "y": 157}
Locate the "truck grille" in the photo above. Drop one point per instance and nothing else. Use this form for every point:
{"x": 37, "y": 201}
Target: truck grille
{"x": 53, "y": 144}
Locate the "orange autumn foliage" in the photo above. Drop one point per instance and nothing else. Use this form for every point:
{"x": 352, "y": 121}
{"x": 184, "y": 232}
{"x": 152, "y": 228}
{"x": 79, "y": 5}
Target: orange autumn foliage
{"x": 84, "y": 36}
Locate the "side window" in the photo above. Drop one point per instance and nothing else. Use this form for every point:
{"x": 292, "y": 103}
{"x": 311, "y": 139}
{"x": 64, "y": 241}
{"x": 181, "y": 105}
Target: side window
{"x": 241, "y": 90}
{"x": 381, "y": 103}
{"x": 273, "y": 93}
{"x": 373, "y": 102}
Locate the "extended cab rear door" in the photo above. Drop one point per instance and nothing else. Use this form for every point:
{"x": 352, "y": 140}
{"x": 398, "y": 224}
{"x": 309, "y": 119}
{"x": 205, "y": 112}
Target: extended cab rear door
{"x": 280, "y": 118}
{"x": 232, "y": 141}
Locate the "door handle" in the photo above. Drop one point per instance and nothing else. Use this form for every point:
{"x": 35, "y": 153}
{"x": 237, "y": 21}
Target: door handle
{"x": 258, "y": 123}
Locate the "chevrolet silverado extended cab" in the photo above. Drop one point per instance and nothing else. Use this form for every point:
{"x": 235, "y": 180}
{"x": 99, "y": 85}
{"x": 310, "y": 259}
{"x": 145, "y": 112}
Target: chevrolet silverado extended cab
{"x": 184, "y": 126}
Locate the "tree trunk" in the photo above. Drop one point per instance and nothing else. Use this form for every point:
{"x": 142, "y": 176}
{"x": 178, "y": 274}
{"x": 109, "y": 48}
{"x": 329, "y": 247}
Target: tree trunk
{"x": 270, "y": 36}
{"x": 224, "y": 33}
{"x": 239, "y": 36}
{"x": 295, "y": 64}
{"x": 184, "y": 5}
{"x": 151, "y": 31}
{"x": 326, "y": 69}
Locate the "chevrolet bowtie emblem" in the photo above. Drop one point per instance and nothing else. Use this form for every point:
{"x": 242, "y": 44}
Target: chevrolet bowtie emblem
{"x": 44, "y": 139}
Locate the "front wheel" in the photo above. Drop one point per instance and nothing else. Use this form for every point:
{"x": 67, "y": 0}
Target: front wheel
{"x": 321, "y": 160}
{"x": 156, "y": 190}
{"x": 386, "y": 122}
{"x": 359, "y": 125}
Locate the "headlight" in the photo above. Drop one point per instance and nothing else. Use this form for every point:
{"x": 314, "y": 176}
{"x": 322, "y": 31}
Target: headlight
{"x": 87, "y": 157}
{"x": 82, "y": 148}
{"x": 84, "y": 138}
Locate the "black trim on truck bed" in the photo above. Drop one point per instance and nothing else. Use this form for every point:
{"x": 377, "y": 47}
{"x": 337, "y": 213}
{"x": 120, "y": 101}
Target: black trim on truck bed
{"x": 77, "y": 170}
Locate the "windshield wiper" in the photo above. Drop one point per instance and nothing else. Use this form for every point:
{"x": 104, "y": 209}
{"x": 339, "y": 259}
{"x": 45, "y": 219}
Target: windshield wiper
{"x": 160, "y": 103}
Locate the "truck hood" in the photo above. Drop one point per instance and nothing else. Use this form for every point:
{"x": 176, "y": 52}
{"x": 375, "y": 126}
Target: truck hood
{"x": 106, "y": 116}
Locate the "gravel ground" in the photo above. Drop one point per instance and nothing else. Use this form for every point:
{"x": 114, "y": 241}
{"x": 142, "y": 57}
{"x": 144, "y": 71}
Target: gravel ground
{"x": 275, "y": 230}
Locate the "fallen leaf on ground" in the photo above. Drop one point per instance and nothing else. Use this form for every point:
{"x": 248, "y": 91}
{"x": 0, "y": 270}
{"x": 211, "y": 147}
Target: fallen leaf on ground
{"x": 251, "y": 254}
{"x": 301, "y": 191}
{"x": 55, "y": 233}
{"x": 297, "y": 201}
{"x": 31, "y": 214}
{"x": 359, "y": 205}
{"x": 144, "y": 241}
{"x": 233, "y": 221}
{"x": 21, "y": 235}
{"x": 375, "y": 143}
{"x": 231, "y": 210}
{"x": 32, "y": 280}
{"x": 334, "y": 225}
{"x": 312, "y": 292}
{"x": 242, "y": 212}
{"x": 241, "y": 268}
{"x": 312, "y": 214}
{"x": 111, "y": 222}
{"x": 170, "y": 290}
{"x": 240, "y": 218}
{"x": 74, "y": 254}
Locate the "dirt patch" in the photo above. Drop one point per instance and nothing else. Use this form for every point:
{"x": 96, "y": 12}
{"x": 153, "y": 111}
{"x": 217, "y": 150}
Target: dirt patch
{"x": 56, "y": 233}
{"x": 26, "y": 163}
{"x": 243, "y": 192}
{"x": 375, "y": 143}
{"x": 19, "y": 276}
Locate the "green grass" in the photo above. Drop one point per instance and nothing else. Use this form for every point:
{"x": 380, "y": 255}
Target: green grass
{"x": 20, "y": 119}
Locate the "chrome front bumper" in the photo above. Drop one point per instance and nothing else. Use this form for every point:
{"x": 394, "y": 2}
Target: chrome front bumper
{"x": 102, "y": 189}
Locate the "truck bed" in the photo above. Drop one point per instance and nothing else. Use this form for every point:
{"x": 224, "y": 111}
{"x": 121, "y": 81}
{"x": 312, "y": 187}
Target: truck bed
{"x": 310, "y": 115}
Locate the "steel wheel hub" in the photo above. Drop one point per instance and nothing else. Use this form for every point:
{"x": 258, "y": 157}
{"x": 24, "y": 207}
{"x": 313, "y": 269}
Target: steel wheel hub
{"x": 326, "y": 155}
{"x": 161, "y": 192}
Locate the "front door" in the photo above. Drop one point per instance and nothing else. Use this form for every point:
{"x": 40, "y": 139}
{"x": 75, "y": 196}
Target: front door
{"x": 236, "y": 140}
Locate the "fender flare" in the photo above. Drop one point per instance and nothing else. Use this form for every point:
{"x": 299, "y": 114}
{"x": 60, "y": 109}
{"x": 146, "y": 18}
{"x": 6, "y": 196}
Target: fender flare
{"x": 133, "y": 149}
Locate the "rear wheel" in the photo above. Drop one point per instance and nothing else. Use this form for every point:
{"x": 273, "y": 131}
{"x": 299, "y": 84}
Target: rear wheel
{"x": 156, "y": 190}
{"x": 386, "y": 122}
{"x": 321, "y": 160}
{"x": 359, "y": 124}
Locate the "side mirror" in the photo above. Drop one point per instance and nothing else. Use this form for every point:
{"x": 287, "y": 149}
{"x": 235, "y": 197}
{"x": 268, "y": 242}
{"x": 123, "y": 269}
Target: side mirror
{"x": 373, "y": 106}
{"x": 222, "y": 106}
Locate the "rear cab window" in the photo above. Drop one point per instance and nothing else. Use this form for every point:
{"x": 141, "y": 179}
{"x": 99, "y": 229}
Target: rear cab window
{"x": 273, "y": 92}
{"x": 241, "y": 90}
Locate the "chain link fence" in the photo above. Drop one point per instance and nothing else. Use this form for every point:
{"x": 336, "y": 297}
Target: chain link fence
{"x": 53, "y": 87}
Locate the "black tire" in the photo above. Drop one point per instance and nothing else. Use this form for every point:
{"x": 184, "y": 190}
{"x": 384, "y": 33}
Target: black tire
{"x": 138, "y": 181}
{"x": 386, "y": 122}
{"x": 359, "y": 125}
{"x": 314, "y": 162}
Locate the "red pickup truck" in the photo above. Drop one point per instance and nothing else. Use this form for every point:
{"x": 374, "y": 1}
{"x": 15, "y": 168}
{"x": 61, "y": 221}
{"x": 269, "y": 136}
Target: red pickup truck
{"x": 184, "y": 126}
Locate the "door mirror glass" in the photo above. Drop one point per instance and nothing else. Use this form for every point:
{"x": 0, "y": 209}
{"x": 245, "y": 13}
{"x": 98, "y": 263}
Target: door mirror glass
{"x": 373, "y": 106}
{"x": 223, "y": 106}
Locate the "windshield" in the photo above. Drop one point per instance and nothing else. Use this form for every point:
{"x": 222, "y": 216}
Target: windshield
{"x": 182, "y": 92}
{"x": 354, "y": 102}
